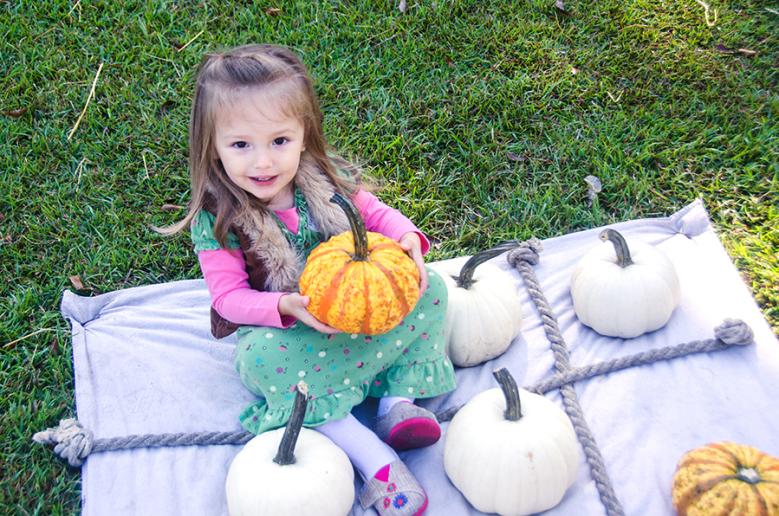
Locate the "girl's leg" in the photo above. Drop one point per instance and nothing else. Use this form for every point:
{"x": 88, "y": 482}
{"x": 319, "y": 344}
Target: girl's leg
{"x": 366, "y": 451}
{"x": 390, "y": 488}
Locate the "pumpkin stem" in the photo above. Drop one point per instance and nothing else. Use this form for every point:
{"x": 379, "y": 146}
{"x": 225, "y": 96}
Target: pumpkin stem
{"x": 620, "y": 246}
{"x": 359, "y": 233}
{"x": 748, "y": 475}
{"x": 510, "y": 392}
{"x": 286, "y": 453}
{"x": 465, "y": 279}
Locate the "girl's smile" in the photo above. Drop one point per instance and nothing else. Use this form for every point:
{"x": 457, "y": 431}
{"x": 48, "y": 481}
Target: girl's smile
{"x": 260, "y": 147}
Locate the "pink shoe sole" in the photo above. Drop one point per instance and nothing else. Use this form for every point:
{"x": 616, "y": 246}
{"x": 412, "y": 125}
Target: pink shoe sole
{"x": 423, "y": 508}
{"x": 416, "y": 432}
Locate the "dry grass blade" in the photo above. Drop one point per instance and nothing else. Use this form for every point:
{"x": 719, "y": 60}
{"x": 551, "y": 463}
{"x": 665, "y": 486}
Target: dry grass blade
{"x": 86, "y": 105}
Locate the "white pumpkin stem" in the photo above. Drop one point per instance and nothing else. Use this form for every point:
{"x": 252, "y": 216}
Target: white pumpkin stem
{"x": 286, "y": 453}
{"x": 511, "y": 392}
{"x": 359, "y": 233}
{"x": 620, "y": 246}
{"x": 465, "y": 279}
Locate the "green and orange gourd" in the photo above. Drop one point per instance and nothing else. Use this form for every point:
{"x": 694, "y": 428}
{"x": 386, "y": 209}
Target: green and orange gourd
{"x": 726, "y": 478}
{"x": 360, "y": 281}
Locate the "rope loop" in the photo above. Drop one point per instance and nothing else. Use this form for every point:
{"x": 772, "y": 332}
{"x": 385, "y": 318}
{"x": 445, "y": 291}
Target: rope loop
{"x": 734, "y": 332}
{"x": 526, "y": 251}
{"x": 71, "y": 441}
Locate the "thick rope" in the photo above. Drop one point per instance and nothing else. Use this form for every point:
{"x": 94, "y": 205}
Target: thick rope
{"x": 523, "y": 258}
{"x": 730, "y": 333}
{"x": 74, "y": 443}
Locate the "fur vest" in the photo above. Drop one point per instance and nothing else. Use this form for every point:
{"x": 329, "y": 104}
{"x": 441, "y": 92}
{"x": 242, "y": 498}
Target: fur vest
{"x": 272, "y": 263}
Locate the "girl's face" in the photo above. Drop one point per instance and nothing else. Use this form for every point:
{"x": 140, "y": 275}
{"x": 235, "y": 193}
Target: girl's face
{"x": 260, "y": 149}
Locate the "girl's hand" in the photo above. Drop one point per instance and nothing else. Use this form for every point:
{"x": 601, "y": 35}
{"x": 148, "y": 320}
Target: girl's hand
{"x": 295, "y": 305}
{"x": 410, "y": 243}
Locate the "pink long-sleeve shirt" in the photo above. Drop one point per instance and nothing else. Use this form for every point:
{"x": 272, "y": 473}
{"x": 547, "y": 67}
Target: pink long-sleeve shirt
{"x": 225, "y": 273}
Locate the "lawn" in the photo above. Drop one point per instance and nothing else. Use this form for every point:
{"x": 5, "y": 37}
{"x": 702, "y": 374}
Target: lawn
{"x": 480, "y": 118}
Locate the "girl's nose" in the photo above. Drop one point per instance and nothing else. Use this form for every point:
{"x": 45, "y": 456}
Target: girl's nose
{"x": 262, "y": 160}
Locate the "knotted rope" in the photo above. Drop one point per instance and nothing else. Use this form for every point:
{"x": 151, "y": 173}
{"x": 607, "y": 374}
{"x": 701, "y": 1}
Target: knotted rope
{"x": 523, "y": 258}
{"x": 731, "y": 332}
{"x": 74, "y": 443}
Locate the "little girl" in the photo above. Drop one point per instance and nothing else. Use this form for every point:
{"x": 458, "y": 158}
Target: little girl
{"x": 261, "y": 183}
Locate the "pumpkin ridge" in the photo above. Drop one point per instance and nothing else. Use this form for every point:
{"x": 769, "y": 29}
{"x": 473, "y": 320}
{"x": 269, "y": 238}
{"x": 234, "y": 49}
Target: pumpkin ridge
{"x": 760, "y": 500}
{"x": 329, "y": 251}
{"x": 399, "y": 294}
{"x": 380, "y": 246}
{"x": 723, "y": 447}
{"x": 695, "y": 461}
{"x": 698, "y": 490}
{"x": 366, "y": 322}
{"x": 329, "y": 295}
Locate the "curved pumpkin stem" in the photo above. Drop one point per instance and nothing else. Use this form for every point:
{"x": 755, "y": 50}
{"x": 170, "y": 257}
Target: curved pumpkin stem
{"x": 356, "y": 223}
{"x": 620, "y": 246}
{"x": 465, "y": 279}
{"x": 510, "y": 392}
{"x": 286, "y": 453}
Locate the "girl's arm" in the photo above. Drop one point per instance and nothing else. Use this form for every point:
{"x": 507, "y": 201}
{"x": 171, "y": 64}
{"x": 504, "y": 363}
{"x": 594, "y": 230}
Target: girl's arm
{"x": 231, "y": 296}
{"x": 388, "y": 221}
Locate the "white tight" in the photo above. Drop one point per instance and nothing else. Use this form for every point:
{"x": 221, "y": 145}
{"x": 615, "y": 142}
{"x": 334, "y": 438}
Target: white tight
{"x": 367, "y": 452}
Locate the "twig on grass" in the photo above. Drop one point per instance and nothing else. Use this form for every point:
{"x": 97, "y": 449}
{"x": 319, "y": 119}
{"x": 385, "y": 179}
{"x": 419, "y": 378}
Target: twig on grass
{"x": 79, "y": 170}
{"x": 190, "y": 41}
{"x": 36, "y": 332}
{"x": 706, "y": 13}
{"x": 146, "y": 168}
{"x": 89, "y": 99}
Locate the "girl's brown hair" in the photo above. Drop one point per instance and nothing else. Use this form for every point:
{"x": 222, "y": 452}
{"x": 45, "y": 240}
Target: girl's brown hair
{"x": 221, "y": 78}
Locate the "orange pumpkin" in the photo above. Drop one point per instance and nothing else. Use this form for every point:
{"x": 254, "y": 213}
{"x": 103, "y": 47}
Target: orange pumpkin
{"x": 359, "y": 281}
{"x": 726, "y": 478}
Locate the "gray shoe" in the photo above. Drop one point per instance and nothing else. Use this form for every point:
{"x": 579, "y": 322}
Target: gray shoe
{"x": 407, "y": 426}
{"x": 394, "y": 492}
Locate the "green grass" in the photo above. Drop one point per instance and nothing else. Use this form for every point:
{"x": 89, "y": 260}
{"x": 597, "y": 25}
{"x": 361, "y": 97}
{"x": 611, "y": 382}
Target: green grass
{"x": 434, "y": 102}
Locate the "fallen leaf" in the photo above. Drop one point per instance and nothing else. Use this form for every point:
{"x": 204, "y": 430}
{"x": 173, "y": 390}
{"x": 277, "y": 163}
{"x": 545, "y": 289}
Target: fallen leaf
{"x": 594, "y": 187}
{"x": 560, "y": 6}
{"x": 273, "y": 11}
{"x": 55, "y": 346}
{"x": 171, "y": 207}
{"x": 516, "y": 157}
{"x": 402, "y": 6}
{"x": 166, "y": 106}
{"x": 77, "y": 283}
{"x": 15, "y": 113}
{"x": 747, "y": 52}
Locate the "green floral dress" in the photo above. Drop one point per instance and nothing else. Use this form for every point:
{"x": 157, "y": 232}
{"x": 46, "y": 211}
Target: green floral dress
{"x": 341, "y": 370}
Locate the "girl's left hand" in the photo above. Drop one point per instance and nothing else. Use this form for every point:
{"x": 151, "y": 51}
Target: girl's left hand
{"x": 410, "y": 243}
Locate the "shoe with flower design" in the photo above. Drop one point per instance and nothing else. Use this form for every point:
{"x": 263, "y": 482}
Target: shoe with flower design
{"x": 407, "y": 426}
{"x": 394, "y": 491}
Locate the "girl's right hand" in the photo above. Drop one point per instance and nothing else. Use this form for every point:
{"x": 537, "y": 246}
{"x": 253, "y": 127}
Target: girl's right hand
{"x": 295, "y": 305}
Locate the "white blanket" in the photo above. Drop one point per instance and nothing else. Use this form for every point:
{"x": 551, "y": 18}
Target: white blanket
{"x": 145, "y": 363}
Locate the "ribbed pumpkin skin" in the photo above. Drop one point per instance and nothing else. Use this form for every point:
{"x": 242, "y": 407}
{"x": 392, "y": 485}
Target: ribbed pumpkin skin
{"x": 706, "y": 482}
{"x": 370, "y": 296}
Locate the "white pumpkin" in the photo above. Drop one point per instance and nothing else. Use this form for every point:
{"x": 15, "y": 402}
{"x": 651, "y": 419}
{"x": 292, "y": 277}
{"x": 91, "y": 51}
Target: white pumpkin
{"x": 624, "y": 292}
{"x": 510, "y": 451}
{"x": 484, "y": 313}
{"x": 267, "y": 479}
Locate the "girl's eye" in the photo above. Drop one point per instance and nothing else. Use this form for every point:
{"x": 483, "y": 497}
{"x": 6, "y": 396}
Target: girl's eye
{"x": 280, "y": 141}
{"x": 240, "y": 145}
